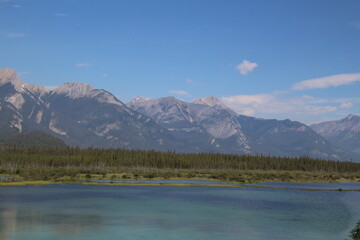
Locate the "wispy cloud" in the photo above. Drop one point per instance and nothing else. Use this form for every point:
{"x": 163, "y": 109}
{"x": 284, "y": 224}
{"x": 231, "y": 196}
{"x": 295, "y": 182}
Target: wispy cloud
{"x": 61, "y": 14}
{"x": 179, "y": 92}
{"x": 24, "y": 73}
{"x": 80, "y": 65}
{"x": 16, "y": 6}
{"x": 14, "y": 34}
{"x": 192, "y": 82}
{"x": 104, "y": 74}
{"x": 250, "y": 104}
{"x": 355, "y": 24}
{"x": 328, "y": 81}
{"x": 246, "y": 67}
{"x": 346, "y": 105}
{"x": 281, "y": 103}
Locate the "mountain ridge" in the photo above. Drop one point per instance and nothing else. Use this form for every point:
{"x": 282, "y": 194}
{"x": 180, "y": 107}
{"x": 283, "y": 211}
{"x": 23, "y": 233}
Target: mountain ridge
{"x": 224, "y": 130}
{"x": 82, "y": 115}
{"x": 344, "y": 132}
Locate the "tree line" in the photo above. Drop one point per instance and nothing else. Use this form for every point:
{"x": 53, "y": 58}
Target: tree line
{"x": 12, "y": 158}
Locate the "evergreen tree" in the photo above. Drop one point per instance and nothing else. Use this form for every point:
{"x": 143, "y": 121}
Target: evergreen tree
{"x": 355, "y": 233}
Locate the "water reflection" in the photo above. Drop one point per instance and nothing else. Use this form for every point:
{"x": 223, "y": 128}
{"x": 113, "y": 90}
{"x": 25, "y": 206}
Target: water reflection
{"x": 68, "y": 224}
{"x": 7, "y": 223}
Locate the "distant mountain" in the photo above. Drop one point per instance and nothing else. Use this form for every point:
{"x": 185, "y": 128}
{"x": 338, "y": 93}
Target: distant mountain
{"x": 208, "y": 128}
{"x": 78, "y": 114}
{"x": 344, "y": 132}
{"x": 81, "y": 115}
{"x": 211, "y": 126}
{"x": 22, "y": 110}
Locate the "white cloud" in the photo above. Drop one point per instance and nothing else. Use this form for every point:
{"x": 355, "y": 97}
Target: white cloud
{"x": 189, "y": 81}
{"x": 328, "y": 81}
{"x": 82, "y": 65}
{"x": 252, "y": 104}
{"x": 179, "y": 92}
{"x": 17, "y": 6}
{"x": 246, "y": 67}
{"x": 105, "y": 75}
{"x": 280, "y": 103}
{"x": 346, "y": 105}
{"x": 61, "y": 14}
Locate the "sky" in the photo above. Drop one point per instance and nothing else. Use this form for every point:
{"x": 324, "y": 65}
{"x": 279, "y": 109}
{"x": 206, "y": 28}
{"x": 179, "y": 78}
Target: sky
{"x": 282, "y": 59}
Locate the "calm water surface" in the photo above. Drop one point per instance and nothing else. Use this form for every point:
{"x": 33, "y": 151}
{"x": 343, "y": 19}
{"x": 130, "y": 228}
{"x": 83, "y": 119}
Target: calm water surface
{"x": 125, "y": 212}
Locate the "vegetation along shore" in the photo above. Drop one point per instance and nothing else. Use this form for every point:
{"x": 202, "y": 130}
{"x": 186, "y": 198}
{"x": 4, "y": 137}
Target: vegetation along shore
{"x": 41, "y": 165}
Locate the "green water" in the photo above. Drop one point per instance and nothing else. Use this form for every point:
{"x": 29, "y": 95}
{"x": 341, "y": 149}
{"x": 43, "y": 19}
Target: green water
{"x": 122, "y": 212}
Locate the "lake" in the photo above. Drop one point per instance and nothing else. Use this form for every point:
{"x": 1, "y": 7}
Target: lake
{"x": 70, "y": 211}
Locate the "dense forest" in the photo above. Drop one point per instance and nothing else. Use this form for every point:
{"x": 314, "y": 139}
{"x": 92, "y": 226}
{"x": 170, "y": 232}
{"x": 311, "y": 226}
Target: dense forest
{"x": 53, "y": 163}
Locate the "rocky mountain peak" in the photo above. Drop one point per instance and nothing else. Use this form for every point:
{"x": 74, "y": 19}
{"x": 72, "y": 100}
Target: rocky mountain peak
{"x": 210, "y": 101}
{"x": 169, "y": 100}
{"x": 8, "y": 75}
{"x": 352, "y": 117}
{"x": 74, "y": 89}
{"x": 37, "y": 89}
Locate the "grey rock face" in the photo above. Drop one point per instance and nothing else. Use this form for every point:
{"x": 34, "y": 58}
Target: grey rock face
{"x": 9, "y": 76}
{"x": 211, "y": 101}
{"x": 344, "y": 132}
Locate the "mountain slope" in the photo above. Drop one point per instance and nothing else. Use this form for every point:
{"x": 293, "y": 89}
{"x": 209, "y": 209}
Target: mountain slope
{"x": 344, "y": 132}
{"x": 24, "y": 109}
{"x": 287, "y": 138}
{"x": 196, "y": 124}
{"x": 78, "y": 114}
{"x": 210, "y": 125}
{"x": 109, "y": 121}
{"x": 34, "y": 138}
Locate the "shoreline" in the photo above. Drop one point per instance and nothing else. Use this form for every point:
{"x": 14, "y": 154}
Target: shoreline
{"x": 146, "y": 184}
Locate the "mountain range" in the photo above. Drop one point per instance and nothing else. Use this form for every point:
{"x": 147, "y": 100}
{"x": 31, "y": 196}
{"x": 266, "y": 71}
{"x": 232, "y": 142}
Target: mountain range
{"x": 81, "y": 115}
{"x": 344, "y": 132}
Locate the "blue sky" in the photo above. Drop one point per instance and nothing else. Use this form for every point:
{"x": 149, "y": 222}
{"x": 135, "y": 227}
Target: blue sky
{"x": 273, "y": 59}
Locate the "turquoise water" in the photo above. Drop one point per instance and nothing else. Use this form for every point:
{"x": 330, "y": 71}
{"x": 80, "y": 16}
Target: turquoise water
{"x": 125, "y": 212}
